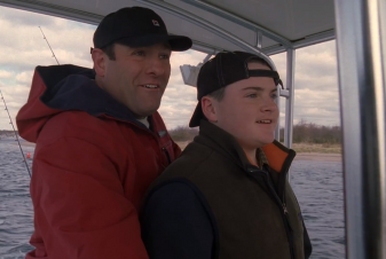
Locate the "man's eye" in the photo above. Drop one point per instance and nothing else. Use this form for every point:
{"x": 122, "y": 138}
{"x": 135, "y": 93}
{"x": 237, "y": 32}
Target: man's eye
{"x": 164, "y": 56}
{"x": 139, "y": 53}
{"x": 274, "y": 96}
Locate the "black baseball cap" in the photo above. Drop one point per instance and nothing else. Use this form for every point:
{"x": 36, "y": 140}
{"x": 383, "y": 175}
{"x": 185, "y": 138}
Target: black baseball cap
{"x": 136, "y": 27}
{"x": 224, "y": 69}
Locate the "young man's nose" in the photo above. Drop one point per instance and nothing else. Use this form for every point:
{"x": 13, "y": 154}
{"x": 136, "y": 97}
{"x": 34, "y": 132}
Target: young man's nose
{"x": 269, "y": 105}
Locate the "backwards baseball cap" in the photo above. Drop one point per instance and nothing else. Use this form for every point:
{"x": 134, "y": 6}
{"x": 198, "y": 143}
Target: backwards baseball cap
{"x": 222, "y": 70}
{"x": 136, "y": 27}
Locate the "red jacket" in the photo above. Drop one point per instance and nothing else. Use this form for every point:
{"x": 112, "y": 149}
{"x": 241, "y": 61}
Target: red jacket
{"x": 92, "y": 165}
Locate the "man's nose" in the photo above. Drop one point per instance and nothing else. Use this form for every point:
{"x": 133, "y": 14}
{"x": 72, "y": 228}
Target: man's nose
{"x": 157, "y": 66}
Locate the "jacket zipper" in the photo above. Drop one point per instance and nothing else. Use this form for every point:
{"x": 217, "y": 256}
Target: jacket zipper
{"x": 157, "y": 138}
{"x": 167, "y": 155}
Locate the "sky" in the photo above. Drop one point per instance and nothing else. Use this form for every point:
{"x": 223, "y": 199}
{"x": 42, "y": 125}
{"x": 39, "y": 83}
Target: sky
{"x": 22, "y": 48}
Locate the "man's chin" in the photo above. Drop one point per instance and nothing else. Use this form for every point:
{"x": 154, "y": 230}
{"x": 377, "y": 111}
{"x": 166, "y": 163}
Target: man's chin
{"x": 145, "y": 113}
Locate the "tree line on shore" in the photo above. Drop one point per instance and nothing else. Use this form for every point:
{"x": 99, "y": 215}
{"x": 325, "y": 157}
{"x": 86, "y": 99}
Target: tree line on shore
{"x": 303, "y": 132}
{"x": 7, "y": 133}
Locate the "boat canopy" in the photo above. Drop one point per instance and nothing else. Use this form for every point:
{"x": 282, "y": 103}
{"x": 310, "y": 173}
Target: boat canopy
{"x": 272, "y": 26}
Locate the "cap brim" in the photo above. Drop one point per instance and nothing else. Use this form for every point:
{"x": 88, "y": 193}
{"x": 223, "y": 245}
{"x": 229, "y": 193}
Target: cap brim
{"x": 197, "y": 116}
{"x": 177, "y": 43}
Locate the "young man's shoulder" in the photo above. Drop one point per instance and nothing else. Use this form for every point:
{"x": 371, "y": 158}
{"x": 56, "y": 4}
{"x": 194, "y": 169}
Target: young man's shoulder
{"x": 196, "y": 162}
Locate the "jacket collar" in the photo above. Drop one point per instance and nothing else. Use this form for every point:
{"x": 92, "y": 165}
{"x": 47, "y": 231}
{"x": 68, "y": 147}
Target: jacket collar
{"x": 70, "y": 87}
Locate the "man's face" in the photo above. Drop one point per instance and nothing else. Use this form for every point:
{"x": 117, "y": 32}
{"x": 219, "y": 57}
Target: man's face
{"x": 138, "y": 77}
{"x": 248, "y": 110}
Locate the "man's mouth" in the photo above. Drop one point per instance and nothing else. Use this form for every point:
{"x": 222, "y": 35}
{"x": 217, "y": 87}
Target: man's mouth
{"x": 151, "y": 86}
{"x": 264, "y": 121}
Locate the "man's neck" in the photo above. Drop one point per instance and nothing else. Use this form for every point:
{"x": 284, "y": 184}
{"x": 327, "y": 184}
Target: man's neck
{"x": 144, "y": 121}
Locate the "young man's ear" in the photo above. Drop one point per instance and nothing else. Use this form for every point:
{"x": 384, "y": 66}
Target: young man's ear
{"x": 208, "y": 106}
{"x": 99, "y": 59}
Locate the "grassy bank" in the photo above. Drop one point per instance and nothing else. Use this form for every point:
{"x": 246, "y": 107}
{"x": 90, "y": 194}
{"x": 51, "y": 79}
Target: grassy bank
{"x": 300, "y": 147}
{"x": 307, "y": 138}
{"x": 317, "y": 148}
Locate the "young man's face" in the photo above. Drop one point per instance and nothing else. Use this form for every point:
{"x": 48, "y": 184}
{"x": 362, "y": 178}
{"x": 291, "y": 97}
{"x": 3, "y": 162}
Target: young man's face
{"x": 138, "y": 77}
{"x": 248, "y": 110}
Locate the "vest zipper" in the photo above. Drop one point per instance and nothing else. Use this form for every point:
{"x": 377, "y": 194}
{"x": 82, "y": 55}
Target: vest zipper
{"x": 287, "y": 224}
{"x": 283, "y": 206}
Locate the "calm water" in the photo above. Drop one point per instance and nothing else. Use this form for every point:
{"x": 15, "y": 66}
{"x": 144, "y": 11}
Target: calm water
{"x": 16, "y": 214}
{"x": 317, "y": 184}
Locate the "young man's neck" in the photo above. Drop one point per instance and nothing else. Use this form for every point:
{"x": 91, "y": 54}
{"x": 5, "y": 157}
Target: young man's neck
{"x": 251, "y": 155}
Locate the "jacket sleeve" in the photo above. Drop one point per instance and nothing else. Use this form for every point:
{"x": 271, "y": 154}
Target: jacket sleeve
{"x": 81, "y": 211}
{"x": 175, "y": 224}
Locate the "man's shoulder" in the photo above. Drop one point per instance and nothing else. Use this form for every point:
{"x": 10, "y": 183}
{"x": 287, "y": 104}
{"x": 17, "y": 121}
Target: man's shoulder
{"x": 77, "y": 124}
{"x": 72, "y": 119}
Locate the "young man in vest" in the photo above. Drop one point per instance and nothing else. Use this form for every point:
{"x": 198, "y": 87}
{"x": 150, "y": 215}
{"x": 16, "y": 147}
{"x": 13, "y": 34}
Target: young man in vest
{"x": 227, "y": 195}
{"x": 99, "y": 140}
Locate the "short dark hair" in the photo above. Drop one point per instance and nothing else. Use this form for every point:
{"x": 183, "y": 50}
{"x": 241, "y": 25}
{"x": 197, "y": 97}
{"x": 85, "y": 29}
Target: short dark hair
{"x": 218, "y": 95}
{"x": 109, "y": 50}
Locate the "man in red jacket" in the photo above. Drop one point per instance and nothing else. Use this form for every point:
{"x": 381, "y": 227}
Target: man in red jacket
{"x": 99, "y": 139}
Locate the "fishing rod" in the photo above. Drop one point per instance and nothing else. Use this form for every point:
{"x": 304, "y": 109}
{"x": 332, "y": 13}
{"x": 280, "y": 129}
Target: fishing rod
{"x": 9, "y": 115}
{"x": 16, "y": 134}
{"x": 49, "y": 46}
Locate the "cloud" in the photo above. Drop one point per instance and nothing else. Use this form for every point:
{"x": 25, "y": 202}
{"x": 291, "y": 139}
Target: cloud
{"x": 23, "y": 48}
{"x": 6, "y": 74}
{"x": 179, "y": 99}
{"x": 20, "y": 17}
{"x": 316, "y": 84}
{"x": 24, "y": 77}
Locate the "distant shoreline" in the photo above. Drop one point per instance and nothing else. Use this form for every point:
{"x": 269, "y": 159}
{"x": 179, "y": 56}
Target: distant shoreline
{"x": 304, "y": 151}
{"x": 308, "y": 151}
{"x": 332, "y": 157}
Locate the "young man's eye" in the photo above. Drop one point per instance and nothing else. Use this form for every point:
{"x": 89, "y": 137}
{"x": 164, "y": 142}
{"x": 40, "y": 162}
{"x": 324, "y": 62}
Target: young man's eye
{"x": 274, "y": 96}
{"x": 252, "y": 95}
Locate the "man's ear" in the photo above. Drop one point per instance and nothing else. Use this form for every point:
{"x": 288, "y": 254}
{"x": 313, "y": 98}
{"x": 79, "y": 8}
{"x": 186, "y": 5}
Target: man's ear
{"x": 99, "y": 59}
{"x": 209, "y": 107}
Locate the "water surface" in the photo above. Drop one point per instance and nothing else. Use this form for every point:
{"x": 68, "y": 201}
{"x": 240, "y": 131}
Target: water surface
{"x": 317, "y": 184}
